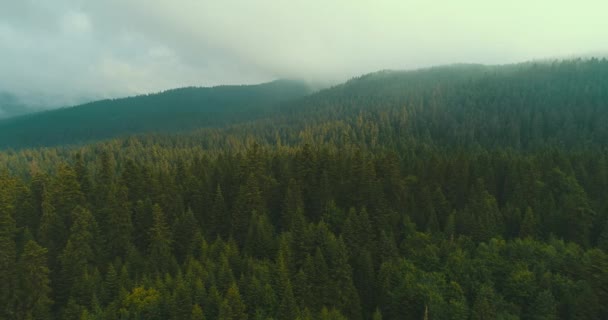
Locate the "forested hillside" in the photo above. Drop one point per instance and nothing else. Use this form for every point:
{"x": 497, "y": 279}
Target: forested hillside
{"x": 169, "y": 111}
{"x": 461, "y": 192}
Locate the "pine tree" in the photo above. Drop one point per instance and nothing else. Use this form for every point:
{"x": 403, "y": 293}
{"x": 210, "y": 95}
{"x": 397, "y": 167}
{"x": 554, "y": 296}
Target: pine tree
{"x": 344, "y": 293}
{"x": 484, "y": 219}
{"x": 184, "y": 230}
{"x": 39, "y": 191}
{"x": 197, "y": 313}
{"x": 528, "y": 225}
{"x": 105, "y": 177}
{"x": 233, "y": 308}
{"x": 484, "y": 306}
{"x": 293, "y": 203}
{"x": 8, "y": 268}
{"x": 78, "y": 254}
{"x": 181, "y": 305}
{"x": 260, "y": 296}
{"x": 142, "y": 222}
{"x": 543, "y": 307}
{"x": 450, "y": 226}
{"x": 119, "y": 224}
{"x": 432, "y": 224}
{"x": 331, "y": 314}
{"x": 52, "y": 227}
{"x": 34, "y": 285}
{"x": 219, "y": 219}
{"x": 67, "y": 195}
{"x": 249, "y": 200}
{"x": 301, "y": 288}
{"x": 387, "y": 249}
{"x": 574, "y": 217}
{"x": 288, "y": 309}
{"x": 111, "y": 285}
{"x": 377, "y": 315}
{"x": 260, "y": 237}
{"x": 82, "y": 174}
{"x": 364, "y": 280}
{"x": 160, "y": 242}
{"x": 318, "y": 272}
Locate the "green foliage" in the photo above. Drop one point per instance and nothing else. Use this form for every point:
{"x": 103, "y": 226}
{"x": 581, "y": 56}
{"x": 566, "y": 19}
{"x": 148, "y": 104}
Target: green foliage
{"x": 232, "y": 308}
{"x": 169, "y": 111}
{"x": 34, "y": 284}
{"x": 448, "y": 193}
{"x": 8, "y": 250}
{"x": 160, "y": 242}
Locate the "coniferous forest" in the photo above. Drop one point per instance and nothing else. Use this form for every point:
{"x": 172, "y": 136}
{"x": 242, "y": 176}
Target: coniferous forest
{"x": 457, "y": 192}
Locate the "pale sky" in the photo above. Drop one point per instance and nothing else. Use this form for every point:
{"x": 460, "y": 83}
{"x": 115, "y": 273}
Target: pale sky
{"x": 66, "y": 51}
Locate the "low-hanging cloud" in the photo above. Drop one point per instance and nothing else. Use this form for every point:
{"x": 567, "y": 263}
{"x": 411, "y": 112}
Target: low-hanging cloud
{"x": 63, "y": 51}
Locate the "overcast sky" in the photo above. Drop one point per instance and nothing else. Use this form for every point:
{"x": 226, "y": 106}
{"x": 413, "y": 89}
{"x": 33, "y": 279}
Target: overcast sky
{"x": 69, "y": 50}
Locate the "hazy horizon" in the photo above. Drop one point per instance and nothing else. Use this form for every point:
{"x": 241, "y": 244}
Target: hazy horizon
{"x": 69, "y": 51}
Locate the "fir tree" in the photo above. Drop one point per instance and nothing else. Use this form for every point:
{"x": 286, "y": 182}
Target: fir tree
{"x": 233, "y": 308}
{"x": 160, "y": 241}
{"x": 34, "y": 300}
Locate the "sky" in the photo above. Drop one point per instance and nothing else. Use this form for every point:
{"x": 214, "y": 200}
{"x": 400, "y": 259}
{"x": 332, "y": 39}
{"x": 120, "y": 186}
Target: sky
{"x": 63, "y": 52}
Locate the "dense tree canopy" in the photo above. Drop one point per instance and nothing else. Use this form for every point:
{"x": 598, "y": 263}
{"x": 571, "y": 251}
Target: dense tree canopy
{"x": 464, "y": 192}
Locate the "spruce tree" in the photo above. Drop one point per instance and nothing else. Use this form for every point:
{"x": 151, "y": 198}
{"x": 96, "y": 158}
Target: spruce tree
{"x": 79, "y": 253}
{"x": 160, "y": 242}
{"x": 484, "y": 306}
{"x": 232, "y": 307}
{"x": 288, "y": 308}
{"x": 8, "y": 267}
{"x": 197, "y": 313}
{"x": 34, "y": 289}
{"x": 219, "y": 218}
{"x": 528, "y": 225}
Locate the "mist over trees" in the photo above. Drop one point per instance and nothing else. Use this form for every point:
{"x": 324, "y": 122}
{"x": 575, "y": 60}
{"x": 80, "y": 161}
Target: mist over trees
{"x": 460, "y": 192}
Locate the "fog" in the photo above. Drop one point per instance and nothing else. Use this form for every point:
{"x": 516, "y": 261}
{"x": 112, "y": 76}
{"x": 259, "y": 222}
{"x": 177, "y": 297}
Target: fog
{"x": 64, "y": 52}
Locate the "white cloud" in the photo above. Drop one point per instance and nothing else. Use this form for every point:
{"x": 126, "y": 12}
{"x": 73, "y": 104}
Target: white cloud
{"x": 69, "y": 49}
{"x": 76, "y": 23}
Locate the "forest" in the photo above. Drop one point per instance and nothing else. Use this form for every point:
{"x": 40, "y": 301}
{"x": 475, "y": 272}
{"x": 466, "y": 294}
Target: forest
{"x": 173, "y": 110}
{"x": 457, "y": 192}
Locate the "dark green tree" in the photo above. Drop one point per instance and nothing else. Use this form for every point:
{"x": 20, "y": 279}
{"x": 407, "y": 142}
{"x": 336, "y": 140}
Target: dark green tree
{"x": 160, "y": 242}
{"x": 8, "y": 251}
{"x": 233, "y": 308}
{"x": 34, "y": 289}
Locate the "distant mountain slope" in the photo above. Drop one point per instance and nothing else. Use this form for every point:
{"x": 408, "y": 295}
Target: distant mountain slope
{"x": 522, "y": 106}
{"x": 169, "y": 111}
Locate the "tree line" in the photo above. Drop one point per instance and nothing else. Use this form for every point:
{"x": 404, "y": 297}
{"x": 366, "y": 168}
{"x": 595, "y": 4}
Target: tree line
{"x": 465, "y": 192}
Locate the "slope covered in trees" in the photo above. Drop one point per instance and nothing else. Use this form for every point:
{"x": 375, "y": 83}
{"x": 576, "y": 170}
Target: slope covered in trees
{"x": 348, "y": 204}
{"x": 169, "y": 111}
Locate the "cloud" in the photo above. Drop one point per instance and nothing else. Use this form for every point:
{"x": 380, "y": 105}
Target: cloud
{"x": 69, "y": 50}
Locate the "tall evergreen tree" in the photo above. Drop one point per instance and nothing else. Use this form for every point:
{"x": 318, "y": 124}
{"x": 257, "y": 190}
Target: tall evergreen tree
{"x": 293, "y": 203}
{"x": 119, "y": 223}
{"x": 160, "y": 241}
{"x": 288, "y": 309}
{"x": 249, "y": 200}
{"x": 8, "y": 267}
{"x": 218, "y": 223}
{"x": 233, "y": 308}
{"x": 484, "y": 306}
{"x": 543, "y": 307}
{"x": 79, "y": 253}
{"x": 528, "y": 225}
{"x": 34, "y": 300}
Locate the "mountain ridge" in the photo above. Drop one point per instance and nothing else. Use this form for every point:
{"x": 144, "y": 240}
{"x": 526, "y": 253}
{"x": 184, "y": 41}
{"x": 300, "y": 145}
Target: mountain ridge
{"x": 459, "y": 104}
{"x": 167, "y": 111}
